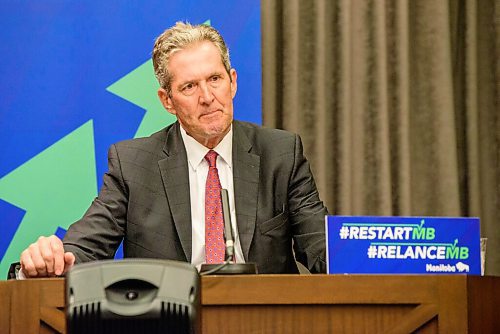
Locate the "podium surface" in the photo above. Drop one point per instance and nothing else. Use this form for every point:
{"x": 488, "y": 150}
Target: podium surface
{"x": 298, "y": 304}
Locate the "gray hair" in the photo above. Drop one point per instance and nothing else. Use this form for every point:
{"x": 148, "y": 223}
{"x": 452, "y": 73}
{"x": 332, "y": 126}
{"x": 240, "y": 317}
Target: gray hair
{"x": 179, "y": 37}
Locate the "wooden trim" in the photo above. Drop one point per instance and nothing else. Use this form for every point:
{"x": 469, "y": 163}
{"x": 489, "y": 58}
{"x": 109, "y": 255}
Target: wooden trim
{"x": 318, "y": 289}
{"x": 415, "y": 319}
{"x": 54, "y": 318}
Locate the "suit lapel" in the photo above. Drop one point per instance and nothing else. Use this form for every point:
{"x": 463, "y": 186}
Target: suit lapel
{"x": 246, "y": 168}
{"x": 175, "y": 175}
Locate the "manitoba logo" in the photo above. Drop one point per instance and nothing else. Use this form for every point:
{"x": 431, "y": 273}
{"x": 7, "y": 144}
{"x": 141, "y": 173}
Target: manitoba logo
{"x": 447, "y": 268}
{"x": 462, "y": 267}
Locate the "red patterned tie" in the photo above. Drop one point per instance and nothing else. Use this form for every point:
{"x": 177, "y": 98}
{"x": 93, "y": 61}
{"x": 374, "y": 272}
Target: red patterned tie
{"x": 214, "y": 222}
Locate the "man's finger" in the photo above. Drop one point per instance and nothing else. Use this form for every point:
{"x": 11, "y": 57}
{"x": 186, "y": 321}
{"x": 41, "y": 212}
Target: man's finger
{"x": 37, "y": 259}
{"x": 58, "y": 253}
{"x": 69, "y": 261}
{"x": 45, "y": 248}
{"x": 27, "y": 265}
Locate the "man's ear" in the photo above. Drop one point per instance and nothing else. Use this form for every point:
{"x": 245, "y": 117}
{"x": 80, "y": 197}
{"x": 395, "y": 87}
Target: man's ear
{"x": 166, "y": 101}
{"x": 234, "y": 83}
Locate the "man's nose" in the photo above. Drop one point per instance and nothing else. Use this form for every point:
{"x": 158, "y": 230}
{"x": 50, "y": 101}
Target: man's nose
{"x": 206, "y": 95}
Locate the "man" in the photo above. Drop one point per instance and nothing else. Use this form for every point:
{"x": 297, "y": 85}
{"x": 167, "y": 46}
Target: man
{"x": 154, "y": 194}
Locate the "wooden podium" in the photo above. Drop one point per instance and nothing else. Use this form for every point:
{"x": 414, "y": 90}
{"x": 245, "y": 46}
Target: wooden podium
{"x": 298, "y": 304}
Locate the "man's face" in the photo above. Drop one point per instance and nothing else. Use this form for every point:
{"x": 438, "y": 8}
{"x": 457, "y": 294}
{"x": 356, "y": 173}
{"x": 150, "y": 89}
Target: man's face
{"x": 202, "y": 93}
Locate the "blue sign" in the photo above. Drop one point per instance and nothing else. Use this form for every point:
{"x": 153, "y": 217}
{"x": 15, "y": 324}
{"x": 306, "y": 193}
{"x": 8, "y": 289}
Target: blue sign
{"x": 402, "y": 245}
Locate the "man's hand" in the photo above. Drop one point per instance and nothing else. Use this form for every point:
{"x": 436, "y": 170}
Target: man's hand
{"x": 46, "y": 258}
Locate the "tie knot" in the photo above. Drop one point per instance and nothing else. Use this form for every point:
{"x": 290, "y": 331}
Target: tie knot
{"x": 211, "y": 158}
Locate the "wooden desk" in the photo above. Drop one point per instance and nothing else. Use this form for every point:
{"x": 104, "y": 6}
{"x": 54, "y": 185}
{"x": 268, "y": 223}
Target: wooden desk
{"x": 298, "y": 304}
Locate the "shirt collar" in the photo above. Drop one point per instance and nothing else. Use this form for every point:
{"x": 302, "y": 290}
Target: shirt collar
{"x": 196, "y": 152}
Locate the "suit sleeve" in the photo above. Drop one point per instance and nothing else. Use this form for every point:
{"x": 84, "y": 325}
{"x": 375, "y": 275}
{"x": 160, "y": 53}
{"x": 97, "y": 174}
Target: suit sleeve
{"x": 306, "y": 214}
{"x": 98, "y": 234}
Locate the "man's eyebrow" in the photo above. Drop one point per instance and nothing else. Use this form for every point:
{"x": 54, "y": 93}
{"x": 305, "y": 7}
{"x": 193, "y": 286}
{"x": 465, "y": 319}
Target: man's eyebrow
{"x": 183, "y": 83}
{"x": 219, "y": 73}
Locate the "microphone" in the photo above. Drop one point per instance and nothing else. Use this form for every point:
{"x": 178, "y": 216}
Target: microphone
{"x": 228, "y": 229}
{"x": 229, "y": 266}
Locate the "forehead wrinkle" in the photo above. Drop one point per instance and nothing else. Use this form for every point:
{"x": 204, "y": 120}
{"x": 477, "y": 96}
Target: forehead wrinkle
{"x": 199, "y": 77}
{"x": 199, "y": 70}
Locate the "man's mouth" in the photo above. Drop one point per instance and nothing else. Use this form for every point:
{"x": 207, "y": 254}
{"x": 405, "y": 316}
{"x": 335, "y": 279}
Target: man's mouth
{"x": 210, "y": 113}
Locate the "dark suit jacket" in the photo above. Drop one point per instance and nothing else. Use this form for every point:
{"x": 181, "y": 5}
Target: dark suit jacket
{"x": 145, "y": 201}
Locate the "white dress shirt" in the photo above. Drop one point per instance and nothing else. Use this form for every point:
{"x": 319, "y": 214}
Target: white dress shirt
{"x": 198, "y": 171}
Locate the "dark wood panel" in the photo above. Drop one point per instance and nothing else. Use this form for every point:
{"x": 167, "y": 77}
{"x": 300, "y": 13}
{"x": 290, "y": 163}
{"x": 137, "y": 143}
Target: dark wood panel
{"x": 297, "y": 304}
{"x": 484, "y": 304}
{"x": 5, "y": 294}
{"x": 25, "y": 309}
{"x": 36, "y": 306}
{"x": 304, "y": 318}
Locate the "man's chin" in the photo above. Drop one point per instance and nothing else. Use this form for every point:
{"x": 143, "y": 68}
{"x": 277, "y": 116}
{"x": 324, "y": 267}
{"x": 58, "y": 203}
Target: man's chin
{"x": 213, "y": 133}
{"x": 217, "y": 128}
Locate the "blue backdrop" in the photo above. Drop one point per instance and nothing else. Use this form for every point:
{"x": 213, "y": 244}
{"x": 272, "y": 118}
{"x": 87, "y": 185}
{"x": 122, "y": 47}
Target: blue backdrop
{"x": 76, "y": 77}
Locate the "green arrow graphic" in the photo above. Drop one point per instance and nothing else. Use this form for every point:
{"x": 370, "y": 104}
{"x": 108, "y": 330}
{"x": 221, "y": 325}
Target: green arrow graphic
{"x": 140, "y": 88}
{"x": 55, "y": 188}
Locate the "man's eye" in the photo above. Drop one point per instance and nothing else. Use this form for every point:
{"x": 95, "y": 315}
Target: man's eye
{"x": 187, "y": 87}
{"x": 215, "y": 78}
